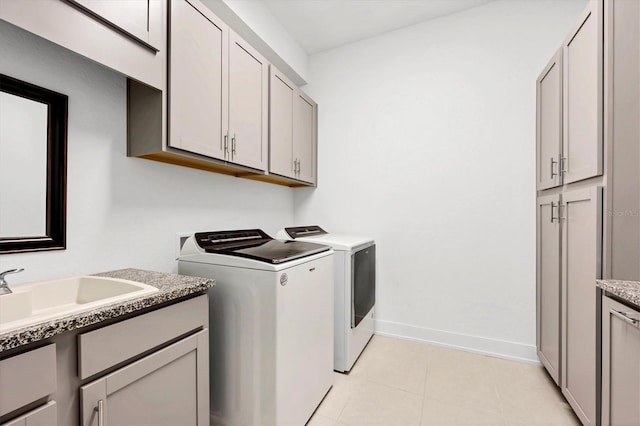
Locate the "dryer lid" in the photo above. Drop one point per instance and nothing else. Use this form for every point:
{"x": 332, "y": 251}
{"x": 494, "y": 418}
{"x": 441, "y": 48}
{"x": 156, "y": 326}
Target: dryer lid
{"x": 304, "y": 231}
{"x": 256, "y": 244}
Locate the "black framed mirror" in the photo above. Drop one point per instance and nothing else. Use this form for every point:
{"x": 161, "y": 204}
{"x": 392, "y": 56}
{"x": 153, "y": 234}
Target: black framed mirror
{"x": 33, "y": 167}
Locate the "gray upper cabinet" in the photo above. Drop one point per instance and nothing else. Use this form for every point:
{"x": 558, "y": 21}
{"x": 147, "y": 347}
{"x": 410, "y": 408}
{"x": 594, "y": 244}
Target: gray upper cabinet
{"x": 248, "y": 105}
{"x": 293, "y": 130}
{"x": 304, "y": 137}
{"x": 549, "y": 124}
{"x": 218, "y": 88}
{"x": 622, "y": 135}
{"x": 222, "y": 111}
{"x": 582, "y": 149}
{"x": 548, "y": 299}
{"x": 281, "y": 95}
{"x": 197, "y": 81}
{"x": 125, "y": 35}
{"x": 130, "y": 16}
{"x": 620, "y": 364}
{"x": 581, "y": 217}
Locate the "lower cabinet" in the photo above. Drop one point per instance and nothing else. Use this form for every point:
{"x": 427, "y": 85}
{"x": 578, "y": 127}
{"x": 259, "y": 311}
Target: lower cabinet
{"x": 28, "y": 379}
{"x": 569, "y": 227}
{"x": 164, "y": 388}
{"x": 46, "y": 415}
{"x": 149, "y": 369}
{"x": 620, "y": 363}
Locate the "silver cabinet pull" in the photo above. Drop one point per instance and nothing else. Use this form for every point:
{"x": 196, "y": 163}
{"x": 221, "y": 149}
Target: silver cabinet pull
{"x": 299, "y": 167}
{"x": 561, "y": 206}
{"x": 295, "y": 166}
{"x": 100, "y": 410}
{"x": 563, "y": 163}
{"x": 551, "y": 168}
{"x": 626, "y": 318}
{"x": 226, "y": 145}
{"x": 553, "y": 206}
{"x": 233, "y": 146}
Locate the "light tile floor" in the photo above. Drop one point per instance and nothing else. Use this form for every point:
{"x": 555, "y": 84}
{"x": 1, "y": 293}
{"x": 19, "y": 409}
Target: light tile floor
{"x": 398, "y": 382}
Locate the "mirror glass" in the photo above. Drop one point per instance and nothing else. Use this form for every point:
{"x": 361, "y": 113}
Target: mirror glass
{"x": 23, "y": 166}
{"x": 33, "y": 167}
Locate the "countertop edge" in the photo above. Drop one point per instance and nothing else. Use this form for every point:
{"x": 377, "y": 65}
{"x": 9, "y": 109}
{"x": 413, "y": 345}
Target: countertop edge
{"x": 627, "y": 291}
{"x": 172, "y": 287}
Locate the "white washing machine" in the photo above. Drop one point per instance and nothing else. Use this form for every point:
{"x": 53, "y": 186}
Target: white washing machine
{"x": 354, "y": 289}
{"x": 270, "y": 325}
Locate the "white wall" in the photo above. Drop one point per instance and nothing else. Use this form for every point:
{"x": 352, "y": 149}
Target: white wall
{"x": 427, "y": 143}
{"x": 253, "y": 21}
{"x": 124, "y": 212}
{"x": 257, "y": 16}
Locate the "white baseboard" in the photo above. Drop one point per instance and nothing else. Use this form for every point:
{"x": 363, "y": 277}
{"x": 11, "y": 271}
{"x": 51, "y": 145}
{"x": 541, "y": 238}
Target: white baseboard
{"x": 476, "y": 344}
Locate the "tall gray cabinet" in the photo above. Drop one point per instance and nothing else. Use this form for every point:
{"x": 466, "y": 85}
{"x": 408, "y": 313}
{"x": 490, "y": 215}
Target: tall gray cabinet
{"x": 622, "y": 132}
{"x": 620, "y": 333}
{"x": 570, "y": 184}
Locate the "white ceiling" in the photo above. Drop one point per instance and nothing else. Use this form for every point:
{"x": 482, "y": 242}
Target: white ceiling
{"x": 319, "y": 25}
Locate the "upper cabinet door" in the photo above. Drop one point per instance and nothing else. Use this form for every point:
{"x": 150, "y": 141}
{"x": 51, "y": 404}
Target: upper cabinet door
{"x": 582, "y": 59}
{"x": 198, "y": 92}
{"x": 131, "y": 16}
{"x": 281, "y": 95}
{"x": 248, "y": 104}
{"x": 549, "y": 124}
{"x": 304, "y": 137}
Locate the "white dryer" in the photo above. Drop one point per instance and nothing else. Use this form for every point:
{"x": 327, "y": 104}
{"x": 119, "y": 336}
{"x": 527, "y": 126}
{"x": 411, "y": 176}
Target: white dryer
{"x": 354, "y": 289}
{"x": 270, "y": 325}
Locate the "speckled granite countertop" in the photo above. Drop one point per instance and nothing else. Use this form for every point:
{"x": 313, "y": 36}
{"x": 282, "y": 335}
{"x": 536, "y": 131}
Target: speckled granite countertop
{"x": 625, "y": 290}
{"x": 171, "y": 287}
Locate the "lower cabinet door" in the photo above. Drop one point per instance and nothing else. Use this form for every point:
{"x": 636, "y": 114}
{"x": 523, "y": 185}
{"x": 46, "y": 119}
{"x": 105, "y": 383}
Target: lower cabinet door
{"x": 169, "y": 387}
{"x": 581, "y": 241}
{"x": 46, "y": 415}
{"x": 620, "y": 364}
{"x": 548, "y": 284}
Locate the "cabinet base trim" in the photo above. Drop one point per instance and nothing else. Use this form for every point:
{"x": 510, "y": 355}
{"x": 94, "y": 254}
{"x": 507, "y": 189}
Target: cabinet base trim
{"x": 476, "y": 344}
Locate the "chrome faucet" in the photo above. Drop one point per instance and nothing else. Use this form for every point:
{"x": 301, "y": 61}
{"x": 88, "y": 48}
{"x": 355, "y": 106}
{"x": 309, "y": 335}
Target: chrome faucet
{"x": 4, "y": 287}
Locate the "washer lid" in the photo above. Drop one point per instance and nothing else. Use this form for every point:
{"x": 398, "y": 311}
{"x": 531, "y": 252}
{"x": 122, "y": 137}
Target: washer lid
{"x": 255, "y": 244}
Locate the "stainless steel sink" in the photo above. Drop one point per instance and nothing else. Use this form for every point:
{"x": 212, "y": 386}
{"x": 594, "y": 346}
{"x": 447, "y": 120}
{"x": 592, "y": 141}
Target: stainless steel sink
{"x": 42, "y": 301}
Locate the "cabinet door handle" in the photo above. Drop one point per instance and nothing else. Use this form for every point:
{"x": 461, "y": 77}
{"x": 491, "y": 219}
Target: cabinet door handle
{"x": 561, "y": 206}
{"x": 626, "y": 318}
{"x": 295, "y": 166}
{"x": 553, "y": 206}
{"x": 100, "y": 410}
{"x": 226, "y": 145}
{"x": 299, "y": 167}
{"x": 551, "y": 167}
{"x": 233, "y": 146}
{"x": 563, "y": 163}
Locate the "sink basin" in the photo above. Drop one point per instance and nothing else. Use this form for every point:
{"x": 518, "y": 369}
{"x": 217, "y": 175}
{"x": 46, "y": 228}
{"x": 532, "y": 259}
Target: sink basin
{"x": 42, "y": 301}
